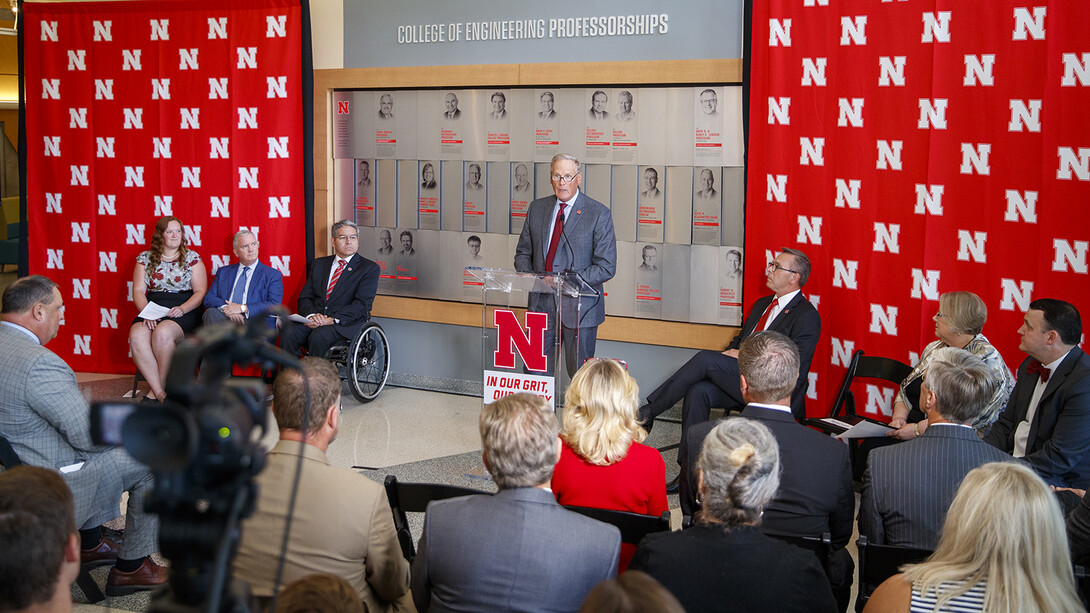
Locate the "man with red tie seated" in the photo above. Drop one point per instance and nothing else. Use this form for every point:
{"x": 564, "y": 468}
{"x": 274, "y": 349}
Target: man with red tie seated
{"x": 1047, "y": 419}
{"x": 710, "y": 378}
{"x": 337, "y": 296}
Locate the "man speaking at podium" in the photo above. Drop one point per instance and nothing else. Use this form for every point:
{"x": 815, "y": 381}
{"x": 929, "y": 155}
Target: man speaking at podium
{"x": 569, "y": 232}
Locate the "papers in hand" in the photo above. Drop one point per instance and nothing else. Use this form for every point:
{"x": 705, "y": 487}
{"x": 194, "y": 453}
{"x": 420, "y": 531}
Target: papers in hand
{"x": 297, "y": 318}
{"x": 864, "y": 429}
{"x": 154, "y": 311}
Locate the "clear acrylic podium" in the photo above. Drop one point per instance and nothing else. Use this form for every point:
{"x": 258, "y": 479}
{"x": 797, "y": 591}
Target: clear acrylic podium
{"x": 515, "y": 358}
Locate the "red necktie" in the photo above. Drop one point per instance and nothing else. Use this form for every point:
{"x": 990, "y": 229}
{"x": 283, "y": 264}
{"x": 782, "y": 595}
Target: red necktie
{"x": 333, "y": 279}
{"x": 1037, "y": 368}
{"x": 558, "y": 229}
{"x": 761, "y": 323}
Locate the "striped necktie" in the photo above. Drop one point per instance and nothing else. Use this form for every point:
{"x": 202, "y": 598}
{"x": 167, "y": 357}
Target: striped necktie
{"x": 333, "y": 279}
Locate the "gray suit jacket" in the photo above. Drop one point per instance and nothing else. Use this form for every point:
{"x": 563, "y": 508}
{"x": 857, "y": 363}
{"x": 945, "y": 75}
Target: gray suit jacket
{"x": 45, "y": 418}
{"x": 908, "y": 487}
{"x": 515, "y": 551}
{"x": 587, "y": 246}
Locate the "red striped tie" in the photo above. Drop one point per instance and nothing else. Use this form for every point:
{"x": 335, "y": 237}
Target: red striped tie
{"x": 333, "y": 279}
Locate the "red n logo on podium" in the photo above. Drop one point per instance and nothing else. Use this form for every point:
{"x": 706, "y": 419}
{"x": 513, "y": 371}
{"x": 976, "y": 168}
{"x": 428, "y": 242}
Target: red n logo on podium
{"x": 529, "y": 343}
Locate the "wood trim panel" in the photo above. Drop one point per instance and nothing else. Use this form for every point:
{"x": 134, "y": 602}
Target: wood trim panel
{"x": 622, "y": 329}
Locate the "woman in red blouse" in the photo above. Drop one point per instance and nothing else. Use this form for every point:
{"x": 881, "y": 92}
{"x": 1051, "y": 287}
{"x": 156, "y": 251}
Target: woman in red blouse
{"x": 603, "y": 463}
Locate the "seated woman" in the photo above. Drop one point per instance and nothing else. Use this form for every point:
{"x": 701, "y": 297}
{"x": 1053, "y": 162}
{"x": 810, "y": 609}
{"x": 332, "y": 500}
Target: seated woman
{"x": 602, "y": 462}
{"x": 958, "y": 324}
{"x": 1002, "y": 548}
{"x": 172, "y": 276}
{"x": 724, "y": 563}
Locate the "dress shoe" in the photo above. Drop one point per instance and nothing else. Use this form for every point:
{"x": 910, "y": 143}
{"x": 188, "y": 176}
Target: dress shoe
{"x": 148, "y": 576}
{"x": 646, "y": 419}
{"x": 100, "y": 555}
{"x": 672, "y": 486}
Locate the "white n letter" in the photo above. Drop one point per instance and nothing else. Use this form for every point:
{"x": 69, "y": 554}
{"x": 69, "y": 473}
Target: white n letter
{"x": 971, "y": 244}
{"x": 1019, "y": 205}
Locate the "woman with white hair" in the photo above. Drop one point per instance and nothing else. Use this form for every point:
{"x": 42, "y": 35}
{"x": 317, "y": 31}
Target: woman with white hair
{"x": 725, "y": 563}
{"x": 602, "y": 462}
{"x": 1003, "y": 549}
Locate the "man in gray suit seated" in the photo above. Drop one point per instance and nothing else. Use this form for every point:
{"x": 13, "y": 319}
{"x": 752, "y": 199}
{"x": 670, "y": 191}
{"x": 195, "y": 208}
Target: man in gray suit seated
{"x": 908, "y": 487}
{"x": 517, "y": 550}
{"x": 45, "y": 418}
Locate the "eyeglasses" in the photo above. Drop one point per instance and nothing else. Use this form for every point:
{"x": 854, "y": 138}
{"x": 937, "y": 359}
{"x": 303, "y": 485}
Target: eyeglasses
{"x": 938, "y": 314}
{"x": 565, "y": 178}
{"x": 774, "y": 266}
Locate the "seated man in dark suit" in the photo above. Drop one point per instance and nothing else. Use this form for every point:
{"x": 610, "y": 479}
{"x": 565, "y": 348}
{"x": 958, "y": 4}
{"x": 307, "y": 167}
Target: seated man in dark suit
{"x": 815, "y": 493}
{"x": 517, "y": 550}
{"x": 46, "y": 419}
{"x": 1047, "y": 419}
{"x": 39, "y": 541}
{"x": 243, "y": 289}
{"x": 908, "y": 487}
{"x": 337, "y": 296}
{"x": 710, "y": 378}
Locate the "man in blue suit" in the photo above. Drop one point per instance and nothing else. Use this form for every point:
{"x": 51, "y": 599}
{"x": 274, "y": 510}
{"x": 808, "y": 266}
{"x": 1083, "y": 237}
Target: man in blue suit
{"x": 584, "y": 243}
{"x": 337, "y": 296}
{"x": 242, "y": 289}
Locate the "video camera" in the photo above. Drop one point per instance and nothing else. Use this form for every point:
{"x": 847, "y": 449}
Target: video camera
{"x": 203, "y": 447}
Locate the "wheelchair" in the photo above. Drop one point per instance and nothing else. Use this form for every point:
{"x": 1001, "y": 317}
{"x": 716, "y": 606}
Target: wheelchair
{"x": 365, "y": 362}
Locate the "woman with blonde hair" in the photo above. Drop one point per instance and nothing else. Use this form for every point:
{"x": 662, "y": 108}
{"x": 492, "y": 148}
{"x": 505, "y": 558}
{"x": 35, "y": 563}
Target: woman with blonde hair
{"x": 171, "y": 275}
{"x": 725, "y": 563}
{"x": 1003, "y": 549}
{"x": 602, "y": 461}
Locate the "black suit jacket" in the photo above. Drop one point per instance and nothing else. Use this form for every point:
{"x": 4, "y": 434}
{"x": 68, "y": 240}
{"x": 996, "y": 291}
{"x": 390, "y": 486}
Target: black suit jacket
{"x": 815, "y": 493}
{"x": 1058, "y": 447}
{"x": 351, "y": 300}
{"x": 708, "y": 568}
{"x": 800, "y": 322}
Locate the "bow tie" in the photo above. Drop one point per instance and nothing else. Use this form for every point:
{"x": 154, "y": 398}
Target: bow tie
{"x": 1036, "y": 367}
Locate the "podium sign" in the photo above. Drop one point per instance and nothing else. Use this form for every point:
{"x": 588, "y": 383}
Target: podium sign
{"x": 516, "y": 358}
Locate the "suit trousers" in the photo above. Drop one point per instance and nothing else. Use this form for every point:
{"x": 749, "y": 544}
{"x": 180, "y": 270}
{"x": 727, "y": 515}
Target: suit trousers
{"x": 709, "y": 379}
{"x": 316, "y": 340}
{"x": 119, "y": 472}
{"x": 576, "y": 351}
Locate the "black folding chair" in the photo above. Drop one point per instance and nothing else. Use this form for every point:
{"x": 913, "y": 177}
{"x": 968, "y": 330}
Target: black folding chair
{"x": 865, "y": 367}
{"x": 9, "y": 459}
{"x": 880, "y": 562}
{"x": 633, "y": 526}
{"x": 414, "y": 498}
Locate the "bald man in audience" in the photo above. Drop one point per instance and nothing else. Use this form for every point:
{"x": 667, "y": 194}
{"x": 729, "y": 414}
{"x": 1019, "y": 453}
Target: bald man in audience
{"x": 45, "y": 417}
{"x": 39, "y": 546}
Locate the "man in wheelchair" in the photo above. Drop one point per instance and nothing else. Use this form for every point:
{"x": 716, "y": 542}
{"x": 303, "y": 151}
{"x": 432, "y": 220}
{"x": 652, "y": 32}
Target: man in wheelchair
{"x": 337, "y": 296}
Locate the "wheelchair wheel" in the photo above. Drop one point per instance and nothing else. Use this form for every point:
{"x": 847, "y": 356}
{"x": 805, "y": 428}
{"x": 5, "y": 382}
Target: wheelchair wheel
{"x": 368, "y": 363}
